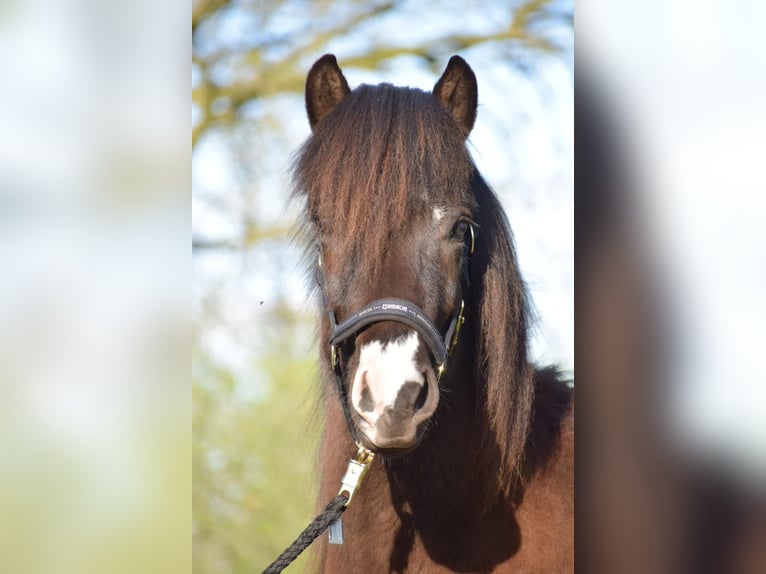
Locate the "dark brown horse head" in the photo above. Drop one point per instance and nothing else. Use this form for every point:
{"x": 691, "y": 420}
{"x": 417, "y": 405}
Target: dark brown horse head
{"x": 392, "y": 200}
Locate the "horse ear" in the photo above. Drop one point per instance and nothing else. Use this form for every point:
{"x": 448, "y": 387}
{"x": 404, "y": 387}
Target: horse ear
{"x": 326, "y": 86}
{"x": 457, "y": 91}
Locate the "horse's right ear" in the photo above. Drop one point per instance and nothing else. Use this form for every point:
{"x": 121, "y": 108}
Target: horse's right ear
{"x": 325, "y": 88}
{"x": 457, "y": 91}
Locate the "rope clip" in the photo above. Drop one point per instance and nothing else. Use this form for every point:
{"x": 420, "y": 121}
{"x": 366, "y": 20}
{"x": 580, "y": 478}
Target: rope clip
{"x": 355, "y": 471}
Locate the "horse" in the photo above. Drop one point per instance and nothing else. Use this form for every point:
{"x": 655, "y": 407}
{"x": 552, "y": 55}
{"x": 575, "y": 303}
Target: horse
{"x": 424, "y": 340}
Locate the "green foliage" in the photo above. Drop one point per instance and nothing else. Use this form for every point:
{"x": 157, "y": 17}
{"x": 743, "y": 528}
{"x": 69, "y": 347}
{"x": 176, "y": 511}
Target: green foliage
{"x": 254, "y": 481}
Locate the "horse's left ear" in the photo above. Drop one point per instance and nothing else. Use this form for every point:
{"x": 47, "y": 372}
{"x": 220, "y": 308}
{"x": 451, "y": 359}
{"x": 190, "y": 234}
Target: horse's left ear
{"x": 456, "y": 90}
{"x": 326, "y": 86}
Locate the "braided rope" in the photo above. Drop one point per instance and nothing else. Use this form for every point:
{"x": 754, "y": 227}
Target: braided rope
{"x": 329, "y": 515}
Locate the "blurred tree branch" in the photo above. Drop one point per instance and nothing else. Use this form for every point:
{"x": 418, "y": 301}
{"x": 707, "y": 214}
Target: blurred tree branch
{"x": 251, "y": 73}
{"x": 204, "y": 9}
{"x": 252, "y": 235}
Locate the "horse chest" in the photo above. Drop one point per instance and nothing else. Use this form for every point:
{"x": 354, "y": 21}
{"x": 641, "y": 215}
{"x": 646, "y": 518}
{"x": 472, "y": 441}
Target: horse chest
{"x": 383, "y": 534}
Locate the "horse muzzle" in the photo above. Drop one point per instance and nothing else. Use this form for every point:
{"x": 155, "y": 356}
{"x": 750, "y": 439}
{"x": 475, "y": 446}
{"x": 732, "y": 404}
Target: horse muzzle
{"x": 393, "y": 392}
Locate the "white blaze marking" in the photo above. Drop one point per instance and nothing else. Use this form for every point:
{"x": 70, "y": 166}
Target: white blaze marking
{"x": 438, "y": 213}
{"x": 387, "y": 368}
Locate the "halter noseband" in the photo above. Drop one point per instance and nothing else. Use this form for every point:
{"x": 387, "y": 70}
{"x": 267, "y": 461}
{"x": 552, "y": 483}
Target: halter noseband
{"x": 401, "y": 311}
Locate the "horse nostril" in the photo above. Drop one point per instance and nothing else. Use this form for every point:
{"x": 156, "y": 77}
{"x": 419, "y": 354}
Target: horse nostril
{"x": 422, "y": 395}
{"x": 366, "y": 403}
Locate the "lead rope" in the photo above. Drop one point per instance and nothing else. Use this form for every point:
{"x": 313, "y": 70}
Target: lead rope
{"x": 355, "y": 471}
{"x": 311, "y": 533}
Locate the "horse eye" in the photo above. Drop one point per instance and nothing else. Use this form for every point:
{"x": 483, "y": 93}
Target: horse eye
{"x": 460, "y": 229}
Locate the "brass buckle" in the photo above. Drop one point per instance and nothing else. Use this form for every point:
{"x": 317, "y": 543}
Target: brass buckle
{"x": 458, "y": 325}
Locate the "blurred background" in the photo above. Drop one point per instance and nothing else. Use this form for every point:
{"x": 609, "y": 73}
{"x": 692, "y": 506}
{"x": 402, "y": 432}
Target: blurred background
{"x": 670, "y": 121}
{"x": 94, "y": 287}
{"x": 254, "y": 369}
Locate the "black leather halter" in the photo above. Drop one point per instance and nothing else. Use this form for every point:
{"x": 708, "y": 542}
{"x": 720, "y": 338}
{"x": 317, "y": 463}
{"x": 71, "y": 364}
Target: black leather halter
{"x": 391, "y": 309}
